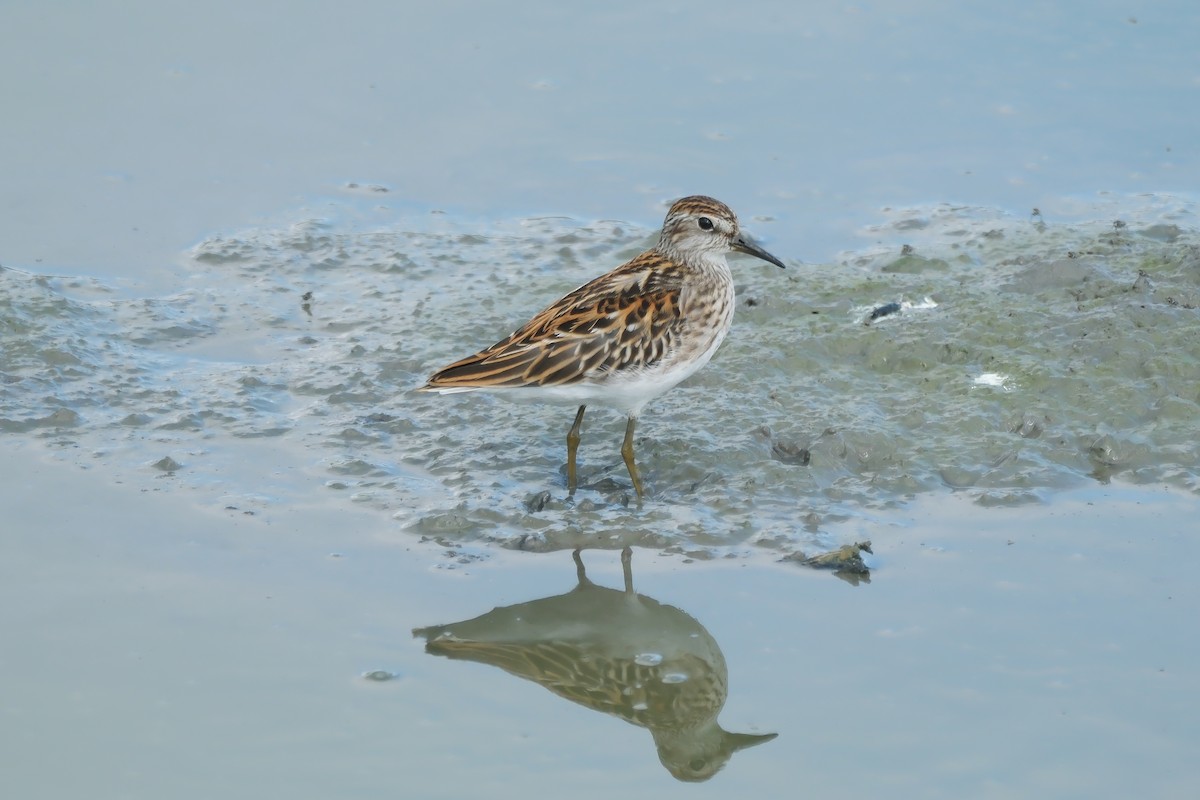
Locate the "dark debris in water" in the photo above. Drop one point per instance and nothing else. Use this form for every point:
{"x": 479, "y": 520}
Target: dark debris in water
{"x": 785, "y": 451}
{"x": 846, "y": 562}
{"x": 537, "y": 502}
{"x": 790, "y": 453}
{"x": 883, "y": 311}
{"x": 366, "y": 188}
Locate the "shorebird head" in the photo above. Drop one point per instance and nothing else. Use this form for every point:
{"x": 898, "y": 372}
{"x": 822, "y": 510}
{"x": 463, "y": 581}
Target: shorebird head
{"x": 697, "y": 226}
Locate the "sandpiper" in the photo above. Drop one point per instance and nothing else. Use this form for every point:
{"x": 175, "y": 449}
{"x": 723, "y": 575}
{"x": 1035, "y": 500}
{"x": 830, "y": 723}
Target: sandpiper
{"x": 626, "y": 337}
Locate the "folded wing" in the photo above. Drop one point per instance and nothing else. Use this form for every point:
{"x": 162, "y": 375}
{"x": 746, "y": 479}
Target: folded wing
{"x": 627, "y": 319}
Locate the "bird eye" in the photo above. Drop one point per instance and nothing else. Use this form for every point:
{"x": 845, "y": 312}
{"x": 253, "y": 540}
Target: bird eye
{"x": 705, "y": 224}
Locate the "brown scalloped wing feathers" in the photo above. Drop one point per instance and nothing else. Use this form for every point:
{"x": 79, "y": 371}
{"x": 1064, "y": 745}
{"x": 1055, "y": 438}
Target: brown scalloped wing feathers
{"x": 628, "y": 317}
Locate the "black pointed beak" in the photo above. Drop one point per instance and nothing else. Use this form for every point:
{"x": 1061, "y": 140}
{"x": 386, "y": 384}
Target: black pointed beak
{"x": 743, "y": 244}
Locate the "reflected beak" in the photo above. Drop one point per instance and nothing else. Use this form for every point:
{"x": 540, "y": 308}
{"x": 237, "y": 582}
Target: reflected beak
{"x": 740, "y": 741}
{"x": 742, "y": 244}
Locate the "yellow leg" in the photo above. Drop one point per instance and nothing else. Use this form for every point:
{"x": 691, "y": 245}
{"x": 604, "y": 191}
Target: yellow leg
{"x": 573, "y": 447}
{"x": 627, "y": 454}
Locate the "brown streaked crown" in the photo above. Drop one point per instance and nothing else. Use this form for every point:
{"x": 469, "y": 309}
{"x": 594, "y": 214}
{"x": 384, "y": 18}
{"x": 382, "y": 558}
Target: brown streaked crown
{"x": 696, "y": 225}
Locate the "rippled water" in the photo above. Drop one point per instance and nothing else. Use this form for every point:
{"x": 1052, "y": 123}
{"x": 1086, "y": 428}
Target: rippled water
{"x": 1027, "y": 355}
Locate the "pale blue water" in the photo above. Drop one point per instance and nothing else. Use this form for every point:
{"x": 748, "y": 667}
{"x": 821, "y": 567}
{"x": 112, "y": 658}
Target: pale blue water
{"x": 816, "y": 117}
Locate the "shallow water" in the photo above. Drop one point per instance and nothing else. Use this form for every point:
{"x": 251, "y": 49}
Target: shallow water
{"x": 1011, "y": 652}
{"x": 235, "y": 238}
{"x": 1028, "y": 356}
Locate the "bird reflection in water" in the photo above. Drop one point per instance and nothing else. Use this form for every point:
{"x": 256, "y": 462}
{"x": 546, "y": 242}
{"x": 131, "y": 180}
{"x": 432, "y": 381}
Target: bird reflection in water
{"x": 614, "y": 651}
